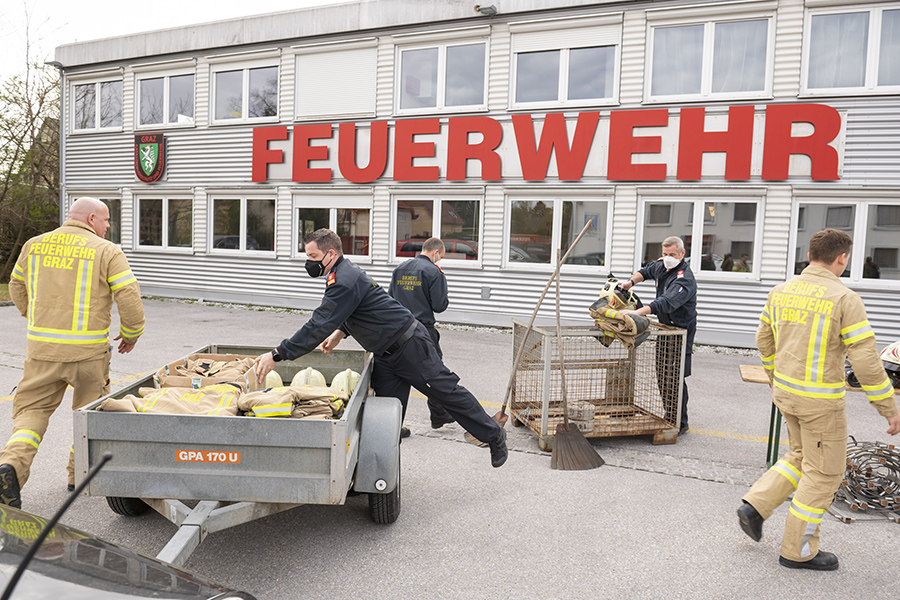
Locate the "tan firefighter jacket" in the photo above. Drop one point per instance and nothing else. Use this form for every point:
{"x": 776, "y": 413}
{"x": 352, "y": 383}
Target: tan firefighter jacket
{"x": 807, "y": 328}
{"x": 64, "y": 284}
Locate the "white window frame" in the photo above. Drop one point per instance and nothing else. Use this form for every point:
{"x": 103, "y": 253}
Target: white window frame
{"x": 873, "y": 54}
{"x": 359, "y": 199}
{"x": 558, "y": 28}
{"x": 709, "y": 15}
{"x": 556, "y": 197}
{"x": 164, "y": 71}
{"x": 859, "y": 228}
{"x": 244, "y": 62}
{"x": 441, "y": 41}
{"x": 438, "y": 197}
{"x": 242, "y": 250}
{"x": 104, "y": 196}
{"x": 699, "y": 198}
{"x": 165, "y": 197}
{"x": 95, "y": 79}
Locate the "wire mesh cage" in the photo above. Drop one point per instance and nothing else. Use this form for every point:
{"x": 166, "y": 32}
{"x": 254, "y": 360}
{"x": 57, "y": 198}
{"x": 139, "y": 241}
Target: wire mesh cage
{"x": 610, "y": 391}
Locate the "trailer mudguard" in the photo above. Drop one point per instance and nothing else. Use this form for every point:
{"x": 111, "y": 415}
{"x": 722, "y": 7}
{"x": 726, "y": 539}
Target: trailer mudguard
{"x": 378, "y": 467}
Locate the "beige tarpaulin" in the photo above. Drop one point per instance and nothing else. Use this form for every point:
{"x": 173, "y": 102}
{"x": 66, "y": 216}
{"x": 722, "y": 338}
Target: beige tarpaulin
{"x": 219, "y": 399}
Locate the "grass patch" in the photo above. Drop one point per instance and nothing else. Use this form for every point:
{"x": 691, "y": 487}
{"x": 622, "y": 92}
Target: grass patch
{"x": 4, "y": 292}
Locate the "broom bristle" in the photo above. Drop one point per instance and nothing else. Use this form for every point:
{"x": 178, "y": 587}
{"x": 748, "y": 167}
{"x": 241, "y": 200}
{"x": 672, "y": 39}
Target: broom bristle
{"x": 572, "y": 451}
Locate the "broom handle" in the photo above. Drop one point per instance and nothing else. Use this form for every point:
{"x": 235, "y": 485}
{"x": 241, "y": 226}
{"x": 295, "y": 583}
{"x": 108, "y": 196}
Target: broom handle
{"x": 512, "y": 375}
{"x": 562, "y": 362}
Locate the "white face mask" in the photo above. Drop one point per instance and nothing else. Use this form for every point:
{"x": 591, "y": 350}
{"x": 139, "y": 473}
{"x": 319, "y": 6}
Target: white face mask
{"x": 670, "y": 262}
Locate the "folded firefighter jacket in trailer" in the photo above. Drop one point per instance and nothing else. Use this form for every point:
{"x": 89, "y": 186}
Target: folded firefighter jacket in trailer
{"x": 205, "y": 367}
{"x": 218, "y": 399}
{"x": 631, "y": 330}
{"x": 303, "y": 402}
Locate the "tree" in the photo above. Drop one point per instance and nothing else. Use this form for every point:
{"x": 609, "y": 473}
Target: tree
{"x": 29, "y": 159}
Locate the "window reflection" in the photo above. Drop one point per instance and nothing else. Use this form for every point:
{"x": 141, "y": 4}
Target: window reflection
{"x": 677, "y": 60}
{"x": 819, "y": 217}
{"x": 418, "y": 78}
{"x": 263, "y": 92}
{"x": 180, "y": 231}
{"x": 228, "y": 94}
{"x": 260, "y": 224}
{"x": 111, "y": 104}
{"x": 150, "y": 220}
{"x": 591, "y": 72}
{"x": 308, "y": 221}
{"x": 151, "y": 100}
{"x": 739, "y": 56}
{"x": 531, "y": 231}
{"x": 85, "y": 107}
{"x": 459, "y": 228}
{"x": 882, "y": 260}
{"x": 537, "y": 76}
{"x": 181, "y": 99}
{"x": 353, "y": 229}
{"x": 837, "y": 50}
{"x": 591, "y": 248}
{"x": 465, "y": 75}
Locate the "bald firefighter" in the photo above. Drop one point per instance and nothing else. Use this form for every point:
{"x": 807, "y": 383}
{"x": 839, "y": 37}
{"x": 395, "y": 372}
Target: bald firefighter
{"x": 64, "y": 284}
{"x": 807, "y": 328}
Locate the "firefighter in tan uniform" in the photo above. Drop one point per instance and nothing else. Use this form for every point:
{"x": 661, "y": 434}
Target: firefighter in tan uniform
{"x": 64, "y": 284}
{"x": 807, "y": 328}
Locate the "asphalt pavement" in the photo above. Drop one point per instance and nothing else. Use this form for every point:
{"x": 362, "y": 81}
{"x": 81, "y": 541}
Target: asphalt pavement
{"x": 654, "y": 522}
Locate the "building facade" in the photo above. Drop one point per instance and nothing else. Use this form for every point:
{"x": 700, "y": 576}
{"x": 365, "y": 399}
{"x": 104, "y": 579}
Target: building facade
{"x": 745, "y": 126}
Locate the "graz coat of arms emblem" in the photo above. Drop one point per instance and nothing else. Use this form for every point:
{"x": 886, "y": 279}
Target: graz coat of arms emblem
{"x": 149, "y": 156}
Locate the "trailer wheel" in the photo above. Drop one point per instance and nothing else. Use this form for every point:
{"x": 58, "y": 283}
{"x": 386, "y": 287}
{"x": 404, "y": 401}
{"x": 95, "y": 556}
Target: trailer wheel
{"x": 127, "y": 507}
{"x": 385, "y": 508}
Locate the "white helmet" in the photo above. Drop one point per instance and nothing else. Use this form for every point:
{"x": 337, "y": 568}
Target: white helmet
{"x": 890, "y": 358}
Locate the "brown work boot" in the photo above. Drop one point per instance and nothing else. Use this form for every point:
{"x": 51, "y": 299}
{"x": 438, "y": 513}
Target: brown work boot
{"x": 9, "y": 486}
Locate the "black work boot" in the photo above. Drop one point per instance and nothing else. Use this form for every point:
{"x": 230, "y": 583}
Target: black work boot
{"x": 405, "y": 432}
{"x": 499, "y": 452}
{"x": 751, "y": 521}
{"x": 438, "y": 422}
{"x": 9, "y": 486}
{"x": 823, "y": 561}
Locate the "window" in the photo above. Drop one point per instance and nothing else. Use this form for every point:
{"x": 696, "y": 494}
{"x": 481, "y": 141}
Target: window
{"x": 456, "y": 220}
{"x": 538, "y": 227}
{"x": 243, "y": 224}
{"x": 729, "y": 59}
{"x": 167, "y": 100}
{"x": 165, "y": 222}
{"x": 245, "y": 93}
{"x": 727, "y": 245}
{"x": 580, "y": 74}
{"x": 336, "y": 80}
{"x": 839, "y": 217}
{"x": 443, "y": 77}
{"x": 351, "y": 224}
{"x": 661, "y": 214}
{"x": 114, "y": 233}
{"x": 882, "y": 242}
{"x": 565, "y": 62}
{"x": 97, "y": 106}
{"x": 853, "y": 51}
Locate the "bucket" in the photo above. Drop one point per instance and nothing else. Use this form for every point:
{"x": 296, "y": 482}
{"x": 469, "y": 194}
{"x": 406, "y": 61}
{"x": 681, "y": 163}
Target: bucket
{"x": 581, "y": 414}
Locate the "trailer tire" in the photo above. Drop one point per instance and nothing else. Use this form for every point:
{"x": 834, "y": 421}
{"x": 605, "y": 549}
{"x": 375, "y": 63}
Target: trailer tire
{"x": 127, "y": 507}
{"x": 385, "y": 508}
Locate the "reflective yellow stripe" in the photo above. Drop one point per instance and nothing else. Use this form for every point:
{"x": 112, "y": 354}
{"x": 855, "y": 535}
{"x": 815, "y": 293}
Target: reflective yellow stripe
{"x": 121, "y": 280}
{"x": 33, "y": 265}
{"x": 768, "y": 362}
{"x": 856, "y": 332}
{"x": 82, "y": 303}
{"x": 764, "y": 315}
{"x": 789, "y": 471}
{"x": 18, "y": 273}
{"x": 882, "y": 391}
{"x": 25, "y": 436}
{"x": 807, "y": 513}
{"x": 272, "y": 410}
{"x": 818, "y": 343}
{"x": 809, "y": 389}
{"x": 63, "y": 336}
{"x": 130, "y": 333}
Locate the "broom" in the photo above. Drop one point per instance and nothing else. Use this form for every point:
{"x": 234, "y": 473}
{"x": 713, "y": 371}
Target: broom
{"x": 571, "y": 450}
{"x": 501, "y": 417}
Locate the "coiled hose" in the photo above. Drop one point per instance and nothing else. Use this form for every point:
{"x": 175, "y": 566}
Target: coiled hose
{"x": 872, "y": 478}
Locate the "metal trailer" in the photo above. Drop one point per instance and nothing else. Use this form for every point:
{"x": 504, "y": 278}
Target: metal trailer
{"x": 235, "y": 469}
{"x": 610, "y": 391}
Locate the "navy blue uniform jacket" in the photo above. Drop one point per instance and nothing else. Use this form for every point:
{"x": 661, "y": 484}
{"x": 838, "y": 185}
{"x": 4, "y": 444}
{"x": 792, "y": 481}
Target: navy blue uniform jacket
{"x": 676, "y": 294}
{"x": 356, "y": 305}
{"x": 421, "y": 286}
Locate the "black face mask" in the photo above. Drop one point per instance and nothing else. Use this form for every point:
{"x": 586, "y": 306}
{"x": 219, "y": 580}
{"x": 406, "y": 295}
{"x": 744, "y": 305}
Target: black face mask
{"x": 315, "y": 268}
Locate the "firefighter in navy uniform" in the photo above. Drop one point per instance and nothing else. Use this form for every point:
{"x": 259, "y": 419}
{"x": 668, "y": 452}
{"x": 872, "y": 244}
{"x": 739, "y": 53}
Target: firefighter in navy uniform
{"x": 405, "y": 354}
{"x": 420, "y": 285}
{"x": 64, "y": 283}
{"x": 807, "y": 329}
{"x": 675, "y": 304}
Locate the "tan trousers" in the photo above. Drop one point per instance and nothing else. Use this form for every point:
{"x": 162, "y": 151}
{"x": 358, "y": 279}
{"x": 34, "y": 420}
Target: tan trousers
{"x": 39, "y": 393}
{"x": 812, "y": 471}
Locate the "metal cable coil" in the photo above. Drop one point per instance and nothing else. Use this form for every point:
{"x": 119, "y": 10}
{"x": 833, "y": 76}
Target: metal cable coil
{"x": 872, "y": 478}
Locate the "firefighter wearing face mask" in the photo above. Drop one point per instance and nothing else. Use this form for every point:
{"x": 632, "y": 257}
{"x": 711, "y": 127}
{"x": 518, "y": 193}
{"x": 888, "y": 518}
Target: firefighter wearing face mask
{"x": 675, "y": 304}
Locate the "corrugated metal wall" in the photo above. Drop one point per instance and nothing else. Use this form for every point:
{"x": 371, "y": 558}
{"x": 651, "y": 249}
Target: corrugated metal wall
{"x": 207, "y": 159}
